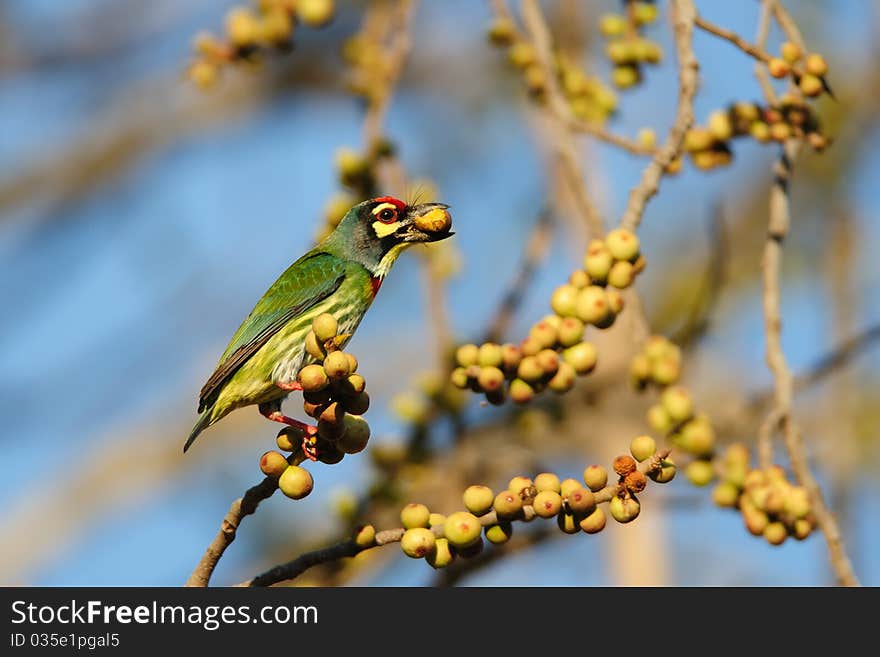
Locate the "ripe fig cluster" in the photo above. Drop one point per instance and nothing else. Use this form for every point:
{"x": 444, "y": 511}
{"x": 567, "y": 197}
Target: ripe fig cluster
{"x": 589, "y": 98}
{"x": 545, "y": 359}
{"x": 248, "y": 30}
{"x": 709, "y": 146}
{"x": 770, "y": 505}
{"x": 657, "y": 364}
{"x": 573, "y": 504}
{"x": 674, "y": 416}
{"x": 807, "y": 70}
{"x": 335, "y": 395}
{"x": 555, "y": 353}
{"x": 627, "y": 49}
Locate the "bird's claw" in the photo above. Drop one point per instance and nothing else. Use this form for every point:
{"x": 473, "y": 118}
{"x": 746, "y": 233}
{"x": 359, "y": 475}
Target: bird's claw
{"x": 310, "y": 446}
{"x": 309, "y": 431}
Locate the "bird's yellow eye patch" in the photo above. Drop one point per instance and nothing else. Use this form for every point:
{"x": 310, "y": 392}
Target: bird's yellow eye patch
{"x": 385, "y": 212}
{"x": 383, "y": 229}
{"x": 386, "y": 219}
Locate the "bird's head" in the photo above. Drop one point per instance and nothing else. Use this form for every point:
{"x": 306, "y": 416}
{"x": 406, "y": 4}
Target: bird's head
{"x": 374, "y": 232}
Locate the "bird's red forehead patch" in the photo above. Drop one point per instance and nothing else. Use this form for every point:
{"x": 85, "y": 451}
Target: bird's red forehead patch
{"x": 396, "y": 202}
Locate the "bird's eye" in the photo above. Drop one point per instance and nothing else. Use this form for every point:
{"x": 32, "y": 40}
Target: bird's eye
{"x": 387, "y": 215}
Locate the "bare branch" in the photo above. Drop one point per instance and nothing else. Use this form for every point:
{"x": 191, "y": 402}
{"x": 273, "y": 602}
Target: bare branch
{"x": 296, "y": 567}
{"x": 786, "y": 22}
{"x": 777, "y": 230}
{"x": 837, "y": 358}
{"x": 732, "y": 37}
{"x": 561, "y": 136}
{"x": 758, "y": 50}
{"x": 243, "y": 506}
{"x": 761, "y": 71}
{"x": 600, "y": 133}
{"x": 556, "y": 100}
{"x": 684, "y": 15}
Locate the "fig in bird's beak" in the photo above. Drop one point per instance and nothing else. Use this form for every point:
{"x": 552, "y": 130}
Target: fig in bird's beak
{"x": 432, "y": 220}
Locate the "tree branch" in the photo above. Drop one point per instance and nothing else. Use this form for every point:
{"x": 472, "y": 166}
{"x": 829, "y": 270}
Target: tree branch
{"x": 558, "y": 104}
{"x": 684, "y": 15}
{"x": 243, "y": 506}
{"x": 728, "y": 35}
{"x": 786, "y": 22}
{"x": 561, "y": 134}
{"x": 761, "y": 70}
{"x": 837, "y": 358}
{"x": 757, "y": 50}
{"x": 781, "y": 415}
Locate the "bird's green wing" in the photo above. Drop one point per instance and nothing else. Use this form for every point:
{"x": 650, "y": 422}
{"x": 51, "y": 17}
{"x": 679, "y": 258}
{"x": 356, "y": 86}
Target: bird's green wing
{"x": 308, "y": 281}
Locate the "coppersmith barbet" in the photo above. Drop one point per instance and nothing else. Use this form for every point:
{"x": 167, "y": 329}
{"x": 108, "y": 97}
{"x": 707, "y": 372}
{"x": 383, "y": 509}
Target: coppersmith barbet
{"x": 340, "y": 276}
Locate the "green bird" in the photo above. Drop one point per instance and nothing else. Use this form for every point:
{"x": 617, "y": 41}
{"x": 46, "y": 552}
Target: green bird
{"x": 340, "y": 276}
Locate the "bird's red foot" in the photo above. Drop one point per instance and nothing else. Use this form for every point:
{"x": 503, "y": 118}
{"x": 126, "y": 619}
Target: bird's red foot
{"x": 310, "y": 447}
{"x": 289, "y": 385}
{"x": 310, "y": 432}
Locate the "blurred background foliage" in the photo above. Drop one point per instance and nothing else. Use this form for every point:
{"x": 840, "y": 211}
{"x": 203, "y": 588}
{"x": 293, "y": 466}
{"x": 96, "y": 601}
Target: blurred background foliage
{"x": 140, "y": 219}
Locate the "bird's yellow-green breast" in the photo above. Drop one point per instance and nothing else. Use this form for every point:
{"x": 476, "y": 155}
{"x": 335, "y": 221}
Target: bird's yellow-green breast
{"x": 281, "y": 357}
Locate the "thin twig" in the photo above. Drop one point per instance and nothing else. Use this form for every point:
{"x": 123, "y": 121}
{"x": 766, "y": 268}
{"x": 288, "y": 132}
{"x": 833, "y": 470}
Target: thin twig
{"x": 561, "y": 134}
{"x": 765, "y": 437}
{"x": 562, "y": 109}
{"x": 825, "y": 365}
{"x": 243, "y": 506}
{"x": 761, "y": 71}
{"x": 536, "y": 250}
{"x": 837, "y": 358}
{"x": 786, "y": 22}
{"x": 684, "y": 15}
{"x": 599, "y": 132}
{"x": 757, "y": 50}
{"x": 734, "y": 38}
{"x": 296, "y": 567}
{"x": 825, "y": 519}
{"x": 777, "y": 230}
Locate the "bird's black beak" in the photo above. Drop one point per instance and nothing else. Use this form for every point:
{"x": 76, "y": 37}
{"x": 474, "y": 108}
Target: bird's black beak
{"x": 427, "y": 222}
